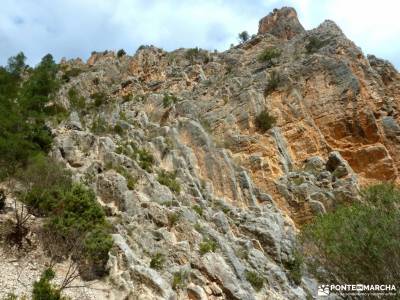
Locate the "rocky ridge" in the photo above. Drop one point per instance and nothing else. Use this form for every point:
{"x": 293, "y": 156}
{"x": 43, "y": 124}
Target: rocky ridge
{"x": 190, "y": 115}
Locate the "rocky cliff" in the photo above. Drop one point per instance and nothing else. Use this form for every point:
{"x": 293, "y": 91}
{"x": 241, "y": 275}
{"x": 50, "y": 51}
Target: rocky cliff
{"x": 169, "y": 142}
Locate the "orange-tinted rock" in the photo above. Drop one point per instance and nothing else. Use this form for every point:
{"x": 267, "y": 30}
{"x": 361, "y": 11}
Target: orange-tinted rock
{"x": 282, "y": 23}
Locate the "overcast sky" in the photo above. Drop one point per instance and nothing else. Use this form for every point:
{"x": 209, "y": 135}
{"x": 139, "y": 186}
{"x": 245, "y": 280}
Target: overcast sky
{"x": 75, "y": 28}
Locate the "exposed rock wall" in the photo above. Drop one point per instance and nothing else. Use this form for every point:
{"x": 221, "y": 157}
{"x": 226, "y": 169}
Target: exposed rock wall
{"x": 337, "y": 127}
{"x": 282, "y": 23}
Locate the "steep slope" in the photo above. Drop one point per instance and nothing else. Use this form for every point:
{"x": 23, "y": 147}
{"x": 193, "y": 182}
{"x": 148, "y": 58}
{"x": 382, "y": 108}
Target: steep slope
{"x": 169, "y": 143}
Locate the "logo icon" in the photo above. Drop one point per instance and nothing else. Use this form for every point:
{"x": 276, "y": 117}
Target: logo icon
{"x": 323, "y": 290}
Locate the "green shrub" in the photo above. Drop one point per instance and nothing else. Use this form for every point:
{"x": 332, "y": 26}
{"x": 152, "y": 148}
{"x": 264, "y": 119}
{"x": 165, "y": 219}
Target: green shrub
{"x": 97, "y": 244}
{"x": 118, "y": 129}
{"x": 168, "y": 100}
{"x": 384, "y": 195}
{"x": 79, "y": 212}
{"x": 79, "y": 218}
{"x": 357, "y": 243}
{"x": 44, "y": 289}
{"x": 44, "y": 181}
{"x": 76, "y": 101}
{"x": 192, "y": 53}
{"x": 24, "y": 109}
{"x": 68, "y": 74}
{"x": 127, "y": 98}
{"x": 207, "y": 245}
{"x": 169, "y": 179}
{"x": 174, "y": 218}
{"x": 179, "y": 280}
{"x": 142, "y": 47}
{"x": 206, "y": 125}
{"x": 255, "y": 280}
{"x": 314, "y": 44}
{"x": 16, "y": 64}
{"x": 273, "y": 83}
{"x": 99, "y": 98}
{"x": 74, "y": 216}
{"x": 40, "y": 87}
{"x": 130, "y": 180}
{"x": 157, "y": 261}
{"x": 120, "y": 53}
{"x": 168, "y": 203}
{"x": 298, "y": 180}
{"x": 122, "y": 116}
{"x": 11, "y": 296}
{"x": 295, "y": 267}
{"x": 222, "y": 207}
{"x": 198, "y": 227}
{"x": 145, "y": 159}
{"x": 99, "y": 126}
{"x": 198, "y": 209}
{"x": 264, "y": 121}
{"x": 268, "y": 54}
{"x": 242, "y": 253}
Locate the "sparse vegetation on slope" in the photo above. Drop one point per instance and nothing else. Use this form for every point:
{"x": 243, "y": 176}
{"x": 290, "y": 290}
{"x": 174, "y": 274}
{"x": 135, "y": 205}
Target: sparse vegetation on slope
{"x": 264, "y": 121}
{"x": 273, "y": 83}
{"x": 169, "y": 179}
{"x": 169, "y": 100}
{"x": 207, "y": 245}
{"x": 269, "y": 54}
{"x": 314, "y": 44}
{"x": 255, "y": 280}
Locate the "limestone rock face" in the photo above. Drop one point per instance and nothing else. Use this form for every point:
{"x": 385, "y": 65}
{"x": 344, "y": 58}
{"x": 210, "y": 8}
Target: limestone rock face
{"x": 282, "y": 23}
{"x": 175, "y": 156}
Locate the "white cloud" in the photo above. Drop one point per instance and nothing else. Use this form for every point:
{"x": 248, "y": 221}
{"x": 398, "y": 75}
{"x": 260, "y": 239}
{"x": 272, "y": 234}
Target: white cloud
{"x": 74, "y": 28}
{"x": 372, "y": 25}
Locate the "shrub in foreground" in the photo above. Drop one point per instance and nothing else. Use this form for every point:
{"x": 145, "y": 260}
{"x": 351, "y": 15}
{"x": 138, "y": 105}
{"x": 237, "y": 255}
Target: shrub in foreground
{"x": 44, "y": 289}
{"x": 24, "y": 109}
{"x": 75, "y": 220}
{"x": 358, "y": 243}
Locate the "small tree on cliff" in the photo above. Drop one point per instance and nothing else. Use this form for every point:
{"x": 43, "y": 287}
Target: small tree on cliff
{"x": 243, "y": 36}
